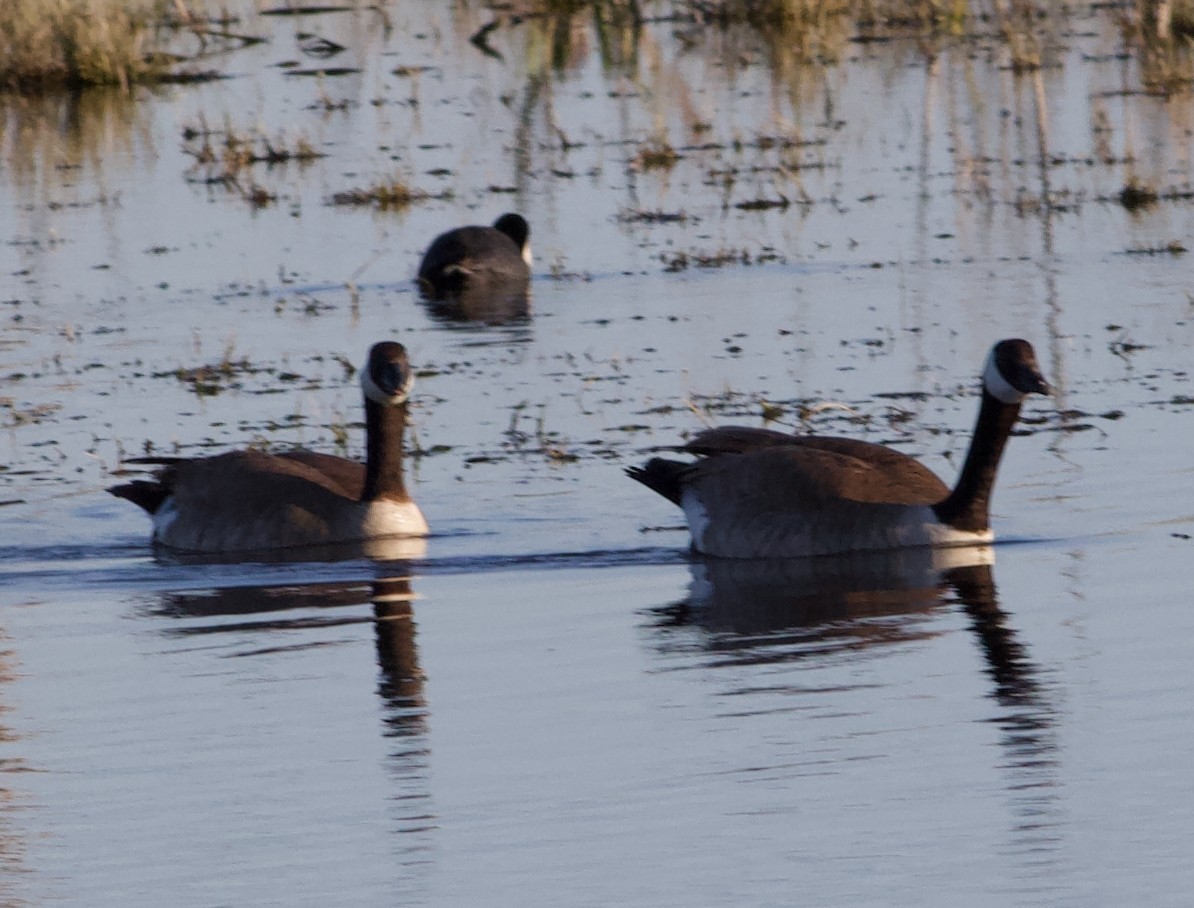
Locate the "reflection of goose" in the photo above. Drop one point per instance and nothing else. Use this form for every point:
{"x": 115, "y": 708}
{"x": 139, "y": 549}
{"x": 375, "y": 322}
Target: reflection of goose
{"x": 268, "y": 603}
{"x": 834, "y": 596}
{"x": 476, "y": 257}
{"x": 290, "y": 606}
{"x": 768, "y": 612}
{"x": 491, "y": 303}
{"x": 246, "y": 501}
{"x": 765, "y": 606}
{"x": 760, "y": 494}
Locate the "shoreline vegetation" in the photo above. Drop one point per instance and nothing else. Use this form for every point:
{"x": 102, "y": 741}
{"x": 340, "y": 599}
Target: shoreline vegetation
{"x": 47, "y": 44}
{"x": 50, "y": 45}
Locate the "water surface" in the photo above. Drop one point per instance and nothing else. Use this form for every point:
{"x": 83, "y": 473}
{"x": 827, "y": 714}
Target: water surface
{"x": 553, "y": 703}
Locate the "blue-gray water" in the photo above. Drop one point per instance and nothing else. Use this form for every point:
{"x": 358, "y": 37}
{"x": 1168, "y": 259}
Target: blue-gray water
{"x": 551, "y": 703}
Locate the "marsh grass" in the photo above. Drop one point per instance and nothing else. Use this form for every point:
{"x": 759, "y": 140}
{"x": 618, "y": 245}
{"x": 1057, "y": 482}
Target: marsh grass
{"x": 769, "y": 14}
{"x": 78, "y": 42}
{"x": 1162, "y": 32}
{"x": 49, "y": 44}
{"x": 235, "y": 150}
{"x": 387, "y": 194}
{"x": 213, "y": 378}
{"x": 656, "y": 154}
{"x": 226, "y": 158}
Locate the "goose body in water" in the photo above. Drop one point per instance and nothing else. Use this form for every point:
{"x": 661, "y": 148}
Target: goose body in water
{"x": 477, "y": 257}
{"x": 245, "y": 501}
{"x": 756, "y": 493}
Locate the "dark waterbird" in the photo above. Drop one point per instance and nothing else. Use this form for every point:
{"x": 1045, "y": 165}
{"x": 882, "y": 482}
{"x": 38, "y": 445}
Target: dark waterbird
{"x": 477, "y": 258}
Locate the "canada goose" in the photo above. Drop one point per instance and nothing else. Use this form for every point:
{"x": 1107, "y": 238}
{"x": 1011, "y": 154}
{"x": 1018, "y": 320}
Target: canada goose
{"x": 247, "y": 501}
{"x": 759, "y": 494}
{"x": 478, "y": 256}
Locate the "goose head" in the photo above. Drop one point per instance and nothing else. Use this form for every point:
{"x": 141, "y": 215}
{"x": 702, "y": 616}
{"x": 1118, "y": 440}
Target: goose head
{"x": 387, "y": 378}
{"x": 1012, "y": 372}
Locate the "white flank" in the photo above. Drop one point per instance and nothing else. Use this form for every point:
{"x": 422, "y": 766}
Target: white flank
{"x": 696, "y": 516}
{"x": 997, "y": 385}
{"x": 163, "y": 519}
{"x": 792, "y": 536}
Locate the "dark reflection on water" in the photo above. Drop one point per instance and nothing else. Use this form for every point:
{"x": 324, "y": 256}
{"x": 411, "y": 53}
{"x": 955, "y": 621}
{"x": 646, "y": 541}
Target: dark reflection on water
{"x": 406, "y": 713}
{"x": 1026, "y": 716}
{"x": 401, "y": 682}
{"x": 489, "y": 303}
{"x": 13, "y": 837}
{"x": 258, "y": 600}
{"x": 794, "y": 609}
{"x": 129, "y": 566}
{"x": 400, "y": 686}
{"x": 815, "y": 610}
{"x": 396, "y": 548}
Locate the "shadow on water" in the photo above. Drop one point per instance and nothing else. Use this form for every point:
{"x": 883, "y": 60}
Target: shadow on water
{"x": 752, "y": 613}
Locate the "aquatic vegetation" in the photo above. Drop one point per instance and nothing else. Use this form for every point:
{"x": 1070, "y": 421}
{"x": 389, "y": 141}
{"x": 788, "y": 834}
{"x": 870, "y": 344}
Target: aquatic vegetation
{"x": 720, "y": 258}
{"x": 1135, "y": 196}
{"x": 48, "y": 43}
{"x": 1173, "y": 247}
{"x": 656, "y": 154}
{"x": 393, "y": 193}
{"x": 637, "y": 216}
{"x": 227, "y": 161}
{"x": 213, "y": 378}
{"x": 772, "y": 13}
{"x": 74, "y": 41}
{"x": 17, "y": 416}
{"x": 1161, "y": 32}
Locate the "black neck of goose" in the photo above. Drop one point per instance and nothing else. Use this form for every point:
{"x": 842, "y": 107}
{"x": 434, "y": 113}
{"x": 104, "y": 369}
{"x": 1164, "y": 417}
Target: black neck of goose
{"x": 968, "y": 506}
{"x": 385, "y": 428}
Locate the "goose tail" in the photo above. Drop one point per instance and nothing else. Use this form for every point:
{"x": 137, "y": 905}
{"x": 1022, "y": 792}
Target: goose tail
{"x": 146, "y": 494}
{"x": 664, "y": 477}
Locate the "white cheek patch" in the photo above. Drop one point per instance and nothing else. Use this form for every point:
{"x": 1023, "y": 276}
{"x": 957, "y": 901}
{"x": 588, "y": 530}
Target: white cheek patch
{"x": 526, "y": 254}
{"x": 998, "y": 386}
{"x": 377, "y": 395}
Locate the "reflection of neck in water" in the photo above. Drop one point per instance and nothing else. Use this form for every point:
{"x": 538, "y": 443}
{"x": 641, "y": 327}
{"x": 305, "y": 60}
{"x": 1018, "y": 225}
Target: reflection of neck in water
{"x": 401, "y": 681}
{"x": 268, "y": 615}
{"x": 1026, "y": 715}
{"x": 1007, "y": 661}
{"x": 756, "y": 613}
{"x": 404, "y": 717}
